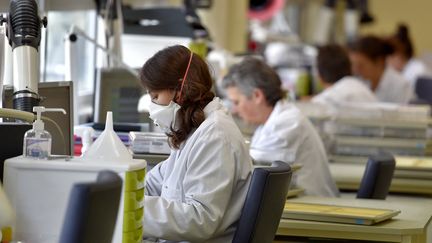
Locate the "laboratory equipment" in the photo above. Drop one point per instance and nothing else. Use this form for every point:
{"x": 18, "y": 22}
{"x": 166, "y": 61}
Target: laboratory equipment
{"x": 53, "y": 94}
{"x": 24, "y": 34}
{"x": 39, "y": 189}
{"x": 119, "y": 91}
{"x": 149, "y": 142}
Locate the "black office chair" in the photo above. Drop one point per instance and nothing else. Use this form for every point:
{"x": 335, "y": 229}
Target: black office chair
{"x": 423, "y": 89}
{"x": 377, "y": 177}
{"x": 264, "y": 204}
{"x": 92, "y": 211}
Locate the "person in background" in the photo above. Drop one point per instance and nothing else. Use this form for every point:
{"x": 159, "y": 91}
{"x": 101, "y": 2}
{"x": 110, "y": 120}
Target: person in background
{"x": 197, "y": 194}
{"x": 403, "y": 58}
{"x": 284, "y": 133}
{"x": 368, "y": 59}
{"x": 334, "y": 71}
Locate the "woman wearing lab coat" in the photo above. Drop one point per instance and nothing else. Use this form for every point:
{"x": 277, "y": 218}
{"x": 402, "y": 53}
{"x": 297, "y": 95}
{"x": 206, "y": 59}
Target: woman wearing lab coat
{"x": 197, "y": 194}
{"x": 403, "y": 58}
{"x": 368, "y": 59}
{"x": 283, "y": 133}
{"x": 334, "y": 71}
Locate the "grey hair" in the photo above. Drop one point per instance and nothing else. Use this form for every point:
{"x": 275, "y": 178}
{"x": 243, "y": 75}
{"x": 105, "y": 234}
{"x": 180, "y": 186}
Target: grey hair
{"x": 251, "y": 74}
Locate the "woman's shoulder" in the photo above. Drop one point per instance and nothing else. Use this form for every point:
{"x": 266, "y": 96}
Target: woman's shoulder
{"x": 415, "y": 68}
{"x": 350, "y": 81}
{"x": 349, "y": 86}
{"x": 285, "y": 118}
{"x": 219, "y": 122}
{"x": 286, "y": 111}
{"x": 391, "y": 74}
{"x": 217, "y": 125}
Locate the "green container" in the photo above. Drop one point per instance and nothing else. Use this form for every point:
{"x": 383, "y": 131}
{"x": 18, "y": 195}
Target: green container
{"x": 132, "y": 220}
{"x": 133, "y": 200}
{"x": 133, "y": 236}
{"x": 134, "y": 180}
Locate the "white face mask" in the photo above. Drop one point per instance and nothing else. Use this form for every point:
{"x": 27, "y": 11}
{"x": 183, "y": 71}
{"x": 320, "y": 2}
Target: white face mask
{"x": 164, "y": 115}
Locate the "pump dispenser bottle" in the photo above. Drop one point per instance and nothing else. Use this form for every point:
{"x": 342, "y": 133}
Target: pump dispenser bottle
{"x": 37, "y": 141}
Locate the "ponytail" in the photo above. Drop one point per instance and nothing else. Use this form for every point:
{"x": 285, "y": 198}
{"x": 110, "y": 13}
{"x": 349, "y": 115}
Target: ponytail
{"x": 402, "y": 35}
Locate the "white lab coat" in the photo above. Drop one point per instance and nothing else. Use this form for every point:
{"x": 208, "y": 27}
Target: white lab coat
{"x": 394, "y": 88}
{"x": 347, "y": 89}
{"x": 289, "y": 136}
{"x": 197, "y": 194}
{"x": 415, "y": 69}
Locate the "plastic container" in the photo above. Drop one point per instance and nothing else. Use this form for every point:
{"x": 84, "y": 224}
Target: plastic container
{"x": 37, "y": 141}
{"x": 40, "y": 191}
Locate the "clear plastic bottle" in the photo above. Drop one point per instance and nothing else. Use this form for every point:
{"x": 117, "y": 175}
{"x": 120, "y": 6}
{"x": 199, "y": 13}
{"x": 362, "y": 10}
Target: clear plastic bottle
{"x": 37, "y": 141}
{"x": 37, "y": 144}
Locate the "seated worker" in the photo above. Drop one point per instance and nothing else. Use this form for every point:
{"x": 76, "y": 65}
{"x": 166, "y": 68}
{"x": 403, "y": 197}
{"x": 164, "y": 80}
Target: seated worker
{"x": 284, "y": 133}
{"x": 334, "y": 71}
{"x": 368, "y": 59}
{"x": 403, "y": 58}
{"x": 197, "y": 194}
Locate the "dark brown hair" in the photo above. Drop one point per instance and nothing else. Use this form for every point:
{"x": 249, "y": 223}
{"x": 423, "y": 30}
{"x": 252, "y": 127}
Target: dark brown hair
{"x": 333, "y": 63}
{"x": 401, "y": 42}
{"x": 165, "y": 70}
{"x": 372, "y": 47}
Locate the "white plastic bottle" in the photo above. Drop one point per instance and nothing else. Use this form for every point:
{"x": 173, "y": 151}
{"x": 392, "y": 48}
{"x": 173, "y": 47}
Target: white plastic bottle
{"x": 86, "y": 134}
{"x": 37, "y": 141}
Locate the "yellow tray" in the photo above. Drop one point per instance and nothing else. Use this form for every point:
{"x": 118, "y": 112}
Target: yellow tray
{"x": 337, "y": 214}
{"x": 414, "y": 163}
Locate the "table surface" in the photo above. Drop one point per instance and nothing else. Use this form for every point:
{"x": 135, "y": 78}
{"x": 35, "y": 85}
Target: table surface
{"x": 414, "y": 219}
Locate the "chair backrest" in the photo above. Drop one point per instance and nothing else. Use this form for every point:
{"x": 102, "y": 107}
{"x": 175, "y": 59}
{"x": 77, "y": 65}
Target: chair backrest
{"x": 264, "y": 204}
{"x": 92, "y": 210}
{"x": 423, "y": 89}
{"x": 377, "y": 177}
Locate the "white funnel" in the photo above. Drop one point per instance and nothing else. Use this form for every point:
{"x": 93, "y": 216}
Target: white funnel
{"x": 108, "y": 147}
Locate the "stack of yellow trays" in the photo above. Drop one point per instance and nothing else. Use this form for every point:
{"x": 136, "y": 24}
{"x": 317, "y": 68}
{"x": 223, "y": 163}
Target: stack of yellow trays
{"x": 337, "y": 214}
{"x": 133, "y": 207}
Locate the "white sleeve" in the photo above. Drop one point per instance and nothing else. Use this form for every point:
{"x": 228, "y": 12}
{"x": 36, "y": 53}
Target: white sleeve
{"x": 207, "y": 188}
{"x": 409, "y": 92}
{"x": 154, "y": 179}
{"x": 267, "y": 157}
{"x": 320, "y": 98}
{"x": 278, "y": 142}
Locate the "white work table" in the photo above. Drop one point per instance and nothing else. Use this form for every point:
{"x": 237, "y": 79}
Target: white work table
{"x": 413, "y": 224}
